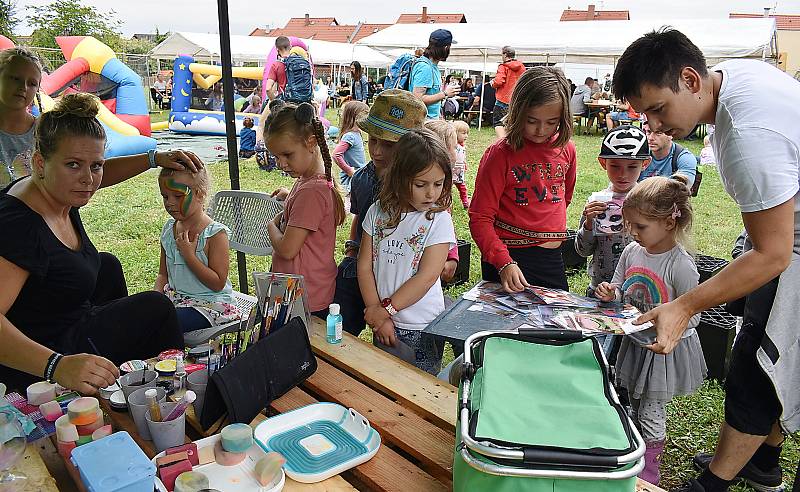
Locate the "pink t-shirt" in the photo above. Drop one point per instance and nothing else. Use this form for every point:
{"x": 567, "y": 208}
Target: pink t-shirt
{"x": 310, "y": 206}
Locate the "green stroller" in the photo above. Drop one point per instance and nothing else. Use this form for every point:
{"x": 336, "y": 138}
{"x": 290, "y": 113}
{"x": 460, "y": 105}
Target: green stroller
{"x": 537, "y": 412}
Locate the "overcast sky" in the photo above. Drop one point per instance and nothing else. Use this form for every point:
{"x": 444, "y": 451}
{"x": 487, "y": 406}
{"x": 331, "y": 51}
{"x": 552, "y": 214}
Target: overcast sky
{"x": 140, "y": 16}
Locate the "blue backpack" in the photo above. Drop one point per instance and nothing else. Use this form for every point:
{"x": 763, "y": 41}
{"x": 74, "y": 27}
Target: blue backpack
{"x": 299, "y": 87}
{"x": 399, "y": 76}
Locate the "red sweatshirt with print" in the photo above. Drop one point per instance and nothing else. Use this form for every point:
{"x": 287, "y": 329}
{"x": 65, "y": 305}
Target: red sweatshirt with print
{"x": 521, "y": 198}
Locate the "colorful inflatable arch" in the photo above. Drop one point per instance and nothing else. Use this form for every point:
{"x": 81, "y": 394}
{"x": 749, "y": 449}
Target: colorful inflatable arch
{"x": 93, "y": 67}
{"x": 183, "y": 119}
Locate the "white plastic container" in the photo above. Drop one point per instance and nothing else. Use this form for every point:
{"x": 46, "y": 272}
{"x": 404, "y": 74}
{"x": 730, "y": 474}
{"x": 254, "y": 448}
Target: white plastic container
{"x": 312, "y": 456}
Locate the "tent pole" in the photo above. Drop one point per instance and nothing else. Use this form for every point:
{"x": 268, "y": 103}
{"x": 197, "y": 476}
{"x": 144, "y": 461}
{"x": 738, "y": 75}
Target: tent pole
{"x": 230, "y": 118}
{"x": 483, "y": 78}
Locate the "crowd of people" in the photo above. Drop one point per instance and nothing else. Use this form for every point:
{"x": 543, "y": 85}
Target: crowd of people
{"x": 67, "y": 316}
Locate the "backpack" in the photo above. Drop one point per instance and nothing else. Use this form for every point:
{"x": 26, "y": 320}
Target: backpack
{"x": 450, "y": 107}
{"x": 299, "y": 87}
{"x": 399, "y": 76}
{"x": 698, "y": 177}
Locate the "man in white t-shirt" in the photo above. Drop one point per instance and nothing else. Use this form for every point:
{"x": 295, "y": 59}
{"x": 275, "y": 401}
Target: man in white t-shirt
{"x": 664, "y": 75}
{"x": 159, "y": 90}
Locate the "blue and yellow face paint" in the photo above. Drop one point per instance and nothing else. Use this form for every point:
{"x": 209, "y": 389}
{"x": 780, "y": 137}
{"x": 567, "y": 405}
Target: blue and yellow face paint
{"x": 185, "y": 190}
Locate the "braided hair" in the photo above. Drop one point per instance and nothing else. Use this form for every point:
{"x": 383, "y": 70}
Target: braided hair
{"x": 302, "y": 122}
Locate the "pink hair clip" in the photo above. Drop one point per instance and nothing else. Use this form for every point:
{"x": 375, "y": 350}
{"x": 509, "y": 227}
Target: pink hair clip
{"x": 675, "y": 212}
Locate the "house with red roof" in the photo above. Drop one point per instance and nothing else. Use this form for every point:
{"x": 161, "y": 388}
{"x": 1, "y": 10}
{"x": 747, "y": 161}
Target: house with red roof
{"x": 592, "y": 14}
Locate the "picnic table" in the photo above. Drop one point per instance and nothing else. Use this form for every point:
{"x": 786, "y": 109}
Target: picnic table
{"x": 414, "y": 413}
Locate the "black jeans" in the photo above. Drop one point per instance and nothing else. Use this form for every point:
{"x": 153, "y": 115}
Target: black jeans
{"x": 751, "y": 405}
{"x": 541, "y": 266}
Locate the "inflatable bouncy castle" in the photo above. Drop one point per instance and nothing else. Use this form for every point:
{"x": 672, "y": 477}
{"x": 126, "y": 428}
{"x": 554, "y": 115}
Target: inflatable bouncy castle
{"x": 182, "y": 118}
{"x": 94, "y": 68}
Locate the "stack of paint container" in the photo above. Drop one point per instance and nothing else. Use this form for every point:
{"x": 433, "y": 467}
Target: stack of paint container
{"x": 82, "y": 424}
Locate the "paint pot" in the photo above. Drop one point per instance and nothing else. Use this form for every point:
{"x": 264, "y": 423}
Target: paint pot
{"x": 88, "y": 429}
{"x": 200, "y": 351}
{"x": 170, "y": 354}
{"x": 133, "y": 381}
{"x": 236, "y": 438}
{"x": 191, "y": 482}
{"x": 41, "y": 392}
{"x": 65, "y": 448}
{"x": 117, "y": 401}
{"x": 132, "y": 365}
{"x": 105, "y": 393}
{"x": 51, "y": 410}
{"x": 167, "y": 434}
{"x": 137, "y": 406}
{"x": 102, "y": 432}
{"x": 83, "y": 410}
{"x": 66, "y": 430}
{"x": 166, "y": 367}
{"x": 197, "y": 382}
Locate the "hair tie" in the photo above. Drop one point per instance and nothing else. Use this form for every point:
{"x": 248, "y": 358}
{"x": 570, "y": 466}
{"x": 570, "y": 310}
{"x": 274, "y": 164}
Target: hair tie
{"x": 330, "y": 183}
{"x": 675, "y": 212}
{"x": 304, "y": 113}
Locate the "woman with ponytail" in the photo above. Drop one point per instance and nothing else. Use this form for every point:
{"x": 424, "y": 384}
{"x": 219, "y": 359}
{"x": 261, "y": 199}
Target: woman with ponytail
{"x": 303, "y": 236}
{"x": 65, "y": 322}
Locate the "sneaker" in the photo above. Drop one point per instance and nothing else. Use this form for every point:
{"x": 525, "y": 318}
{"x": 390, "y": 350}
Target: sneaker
{"x": 763, "y": 481}
{"x": 690, "y": 486}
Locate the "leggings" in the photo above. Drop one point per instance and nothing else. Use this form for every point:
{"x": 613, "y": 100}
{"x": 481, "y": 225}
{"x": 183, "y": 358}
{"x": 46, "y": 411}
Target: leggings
{"x": 650, "y": 416}
{"x": 541, "y": 266}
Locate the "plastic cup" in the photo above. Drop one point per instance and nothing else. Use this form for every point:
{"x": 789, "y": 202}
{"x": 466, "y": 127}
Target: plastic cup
{"x": 167, "y": 434}
{"x": 197, "y": 382}
{"x": 137, "y": 406}
{"x": 132, "y": 381}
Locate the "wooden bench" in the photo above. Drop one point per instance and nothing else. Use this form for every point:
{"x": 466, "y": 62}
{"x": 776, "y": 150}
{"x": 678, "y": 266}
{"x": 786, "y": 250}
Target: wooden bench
{"x": 414, "y": 413}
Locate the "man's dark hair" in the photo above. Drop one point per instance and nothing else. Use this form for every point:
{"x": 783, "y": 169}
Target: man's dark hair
{"x": 656, "y": 58}
{"x": 436, "y": 53}
{"x": 588, "y": 81}
{"x": 283, "y": 43}
{"x": 509, "y": 51}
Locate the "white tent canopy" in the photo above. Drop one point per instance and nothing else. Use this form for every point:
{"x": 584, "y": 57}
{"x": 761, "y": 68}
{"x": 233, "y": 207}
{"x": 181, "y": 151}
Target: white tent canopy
{"x": 254, "y": 49}
{"x": 580, "y": 42}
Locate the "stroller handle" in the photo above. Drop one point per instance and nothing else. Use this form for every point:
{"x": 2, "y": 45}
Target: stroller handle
{"x": 560, "y": 335}
{"x": 555, "y": 457}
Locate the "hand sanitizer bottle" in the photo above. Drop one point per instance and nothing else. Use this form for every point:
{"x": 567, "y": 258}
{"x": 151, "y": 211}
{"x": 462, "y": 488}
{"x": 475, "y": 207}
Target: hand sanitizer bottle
{"x": 334, "y": 324}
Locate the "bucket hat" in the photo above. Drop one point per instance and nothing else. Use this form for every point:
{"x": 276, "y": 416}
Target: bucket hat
{"x": 393, "y": 113}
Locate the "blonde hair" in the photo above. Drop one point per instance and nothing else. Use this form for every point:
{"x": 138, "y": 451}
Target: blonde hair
{"x": 538, "y": 86}
{"x": 352, "y": 111}
{"x": 18, "y": 52}
{"x": 445, "y": 131}
{"x": 660, "y": 198}
{"x": 460, "y": 125}
{"x": 415, "y": 153}
{"x": 200, "y": 181}
{"x": 73, "y": 116}
{"x": 302, "y": 122}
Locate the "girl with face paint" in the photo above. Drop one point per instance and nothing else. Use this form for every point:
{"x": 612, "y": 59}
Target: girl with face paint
{"x": 194, "y": 264}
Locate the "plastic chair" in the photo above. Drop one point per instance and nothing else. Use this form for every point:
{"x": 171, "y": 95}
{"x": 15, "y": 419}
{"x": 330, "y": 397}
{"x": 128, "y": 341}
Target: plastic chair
{"x": 246, "y": 213}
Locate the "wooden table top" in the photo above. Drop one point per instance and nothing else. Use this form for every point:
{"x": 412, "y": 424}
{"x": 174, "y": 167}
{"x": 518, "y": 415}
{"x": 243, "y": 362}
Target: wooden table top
{"x": 414, "y": 413}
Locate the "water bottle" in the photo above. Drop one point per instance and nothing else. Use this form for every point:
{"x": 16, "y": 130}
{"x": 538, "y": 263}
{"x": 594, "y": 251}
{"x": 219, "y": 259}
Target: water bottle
{"x": 179, "y": 378}
{"x": 334, "y": 324}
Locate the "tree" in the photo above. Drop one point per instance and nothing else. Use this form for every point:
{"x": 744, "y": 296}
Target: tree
{"x": 72, "y": 18}
{"x": 8, "y": 18}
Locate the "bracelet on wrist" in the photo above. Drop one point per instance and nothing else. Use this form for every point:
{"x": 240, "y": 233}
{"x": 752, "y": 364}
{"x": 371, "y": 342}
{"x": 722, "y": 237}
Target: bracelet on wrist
{"x": 50, "y": 368}
{"x": 506, "y": 266}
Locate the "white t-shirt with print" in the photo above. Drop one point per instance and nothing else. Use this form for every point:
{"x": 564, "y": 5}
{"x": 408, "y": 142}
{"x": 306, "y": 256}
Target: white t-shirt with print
{"x": 396, "y": 254}
{"x": 757, "y": 136}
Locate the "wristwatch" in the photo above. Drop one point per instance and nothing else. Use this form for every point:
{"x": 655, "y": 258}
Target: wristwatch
{"x": 151, "y": 158}
{"x": 387, "y": 304}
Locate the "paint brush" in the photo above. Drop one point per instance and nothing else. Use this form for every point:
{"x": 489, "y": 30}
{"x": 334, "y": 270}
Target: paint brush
{"x": 272, "y": 325}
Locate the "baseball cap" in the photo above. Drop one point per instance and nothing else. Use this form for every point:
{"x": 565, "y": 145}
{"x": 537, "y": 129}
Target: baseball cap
{"x": 625, "y": 142}
{"x": 441, "y": 37}
{"x": 393, "y": 113}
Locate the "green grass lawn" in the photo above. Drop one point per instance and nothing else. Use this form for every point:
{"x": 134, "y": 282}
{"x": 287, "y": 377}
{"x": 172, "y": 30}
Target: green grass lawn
{"x": 127, "y": 221}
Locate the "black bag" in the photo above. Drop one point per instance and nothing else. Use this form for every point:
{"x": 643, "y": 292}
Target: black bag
{"x": 262, "y": 373}
{"x": 698, "y": 176}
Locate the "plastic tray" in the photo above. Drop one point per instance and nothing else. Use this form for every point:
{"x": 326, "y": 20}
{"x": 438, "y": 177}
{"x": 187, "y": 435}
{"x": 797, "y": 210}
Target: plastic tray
{"x": 235, "y": 478}
{"x": 319, "y": 440}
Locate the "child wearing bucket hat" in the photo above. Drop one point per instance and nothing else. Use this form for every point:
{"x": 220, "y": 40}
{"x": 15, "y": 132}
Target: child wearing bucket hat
{"x": 624, "y": 152}
{"x": 393, "y": 113}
